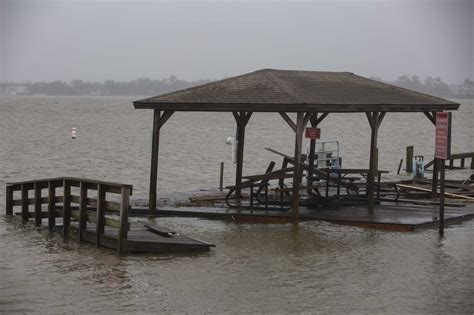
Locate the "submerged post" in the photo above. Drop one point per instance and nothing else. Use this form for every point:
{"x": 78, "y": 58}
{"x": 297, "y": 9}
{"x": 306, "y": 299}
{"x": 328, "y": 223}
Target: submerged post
{"x": 375, "y": 119}
{"x": 241, "y": 119}
{"x": 301, "y": 121}
{"x": 66, "y": 206}
{"x": 51, "y": 205}
{"x": 123, "y": 230}
{"x": 38, "y": 214}
{"x": 158, "y": 121}
{"x": 154, "y": 160}
{"x": 82, "y": 209}
{"x": 9, "y": 200}
{"x": 441, "y": 198}
{"x": 442, "y": 153}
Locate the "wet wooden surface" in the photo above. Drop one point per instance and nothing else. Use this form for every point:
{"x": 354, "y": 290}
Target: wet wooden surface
{"x": 390, "y": 216}
{"x": 141, "y": 239}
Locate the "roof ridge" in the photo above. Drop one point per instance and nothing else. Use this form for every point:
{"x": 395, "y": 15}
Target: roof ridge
{"x": 281, "y": 85}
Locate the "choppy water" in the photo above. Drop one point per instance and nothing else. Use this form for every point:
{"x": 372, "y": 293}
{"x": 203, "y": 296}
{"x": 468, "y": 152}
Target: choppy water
{"x": 315, "y": 266}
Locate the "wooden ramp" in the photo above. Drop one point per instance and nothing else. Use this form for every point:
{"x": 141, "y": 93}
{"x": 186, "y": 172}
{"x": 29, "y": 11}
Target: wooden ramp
{"x": 95, "y": 212}
{"x": 386, "y": 216}
{"x": 142, "y": 240}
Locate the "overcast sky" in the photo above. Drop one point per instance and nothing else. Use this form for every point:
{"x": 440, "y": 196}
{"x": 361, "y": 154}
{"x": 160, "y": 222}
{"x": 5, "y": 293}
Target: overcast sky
{"x": 99, "y": 40}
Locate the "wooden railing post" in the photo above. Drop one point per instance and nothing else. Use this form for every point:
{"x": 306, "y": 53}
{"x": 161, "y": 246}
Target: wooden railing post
{"x": 100, "y": 225}
{"x": 38, "y": 214}
{"x": 123, "y": 230}
{"x": 66, "y": 206}
{"x": 51, "y": 205}
{"x": 82, "y": 209}
{"x": 24, "y": 203}
{"x": 9, "y": 200}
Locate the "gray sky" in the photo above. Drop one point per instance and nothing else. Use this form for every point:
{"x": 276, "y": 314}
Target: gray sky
{"x": 99, "y": 40}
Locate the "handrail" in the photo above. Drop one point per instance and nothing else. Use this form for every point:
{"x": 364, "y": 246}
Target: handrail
{"x": 89, "y": 209}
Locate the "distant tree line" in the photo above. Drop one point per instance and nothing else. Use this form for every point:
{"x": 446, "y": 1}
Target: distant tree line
{"x": 109, "y": 87}
{"x": 145, "y": 87}
{"x": 434, "y": 86}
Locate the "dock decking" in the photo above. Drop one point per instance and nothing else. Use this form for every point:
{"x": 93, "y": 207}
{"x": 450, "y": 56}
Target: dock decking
{"x": 386, "y": 216}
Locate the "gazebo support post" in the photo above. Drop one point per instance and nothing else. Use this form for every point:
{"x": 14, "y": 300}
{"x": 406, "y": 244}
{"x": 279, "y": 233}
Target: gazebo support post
{"x": 301, "y": 121}
{"x": 375, "y": 119}
{"x": 434, "y": 183}
{"x": 315, "y": 121}
{"x": 241, "y": 118}
{"x": 159, "y": 120}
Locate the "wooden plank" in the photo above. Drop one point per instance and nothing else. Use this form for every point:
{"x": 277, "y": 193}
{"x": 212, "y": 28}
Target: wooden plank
{"x": 297, "y": 173}
{"x": 429, "y": 190}
{"x": 161, "y": 230}
{"x": 37, "y": 203}
{"x": 100, "y": 221}
{"x": 51, "y": 205}
{"x": 123, "y": 230}
{"x": 154, "y": 160}
{"x": 66, "y": 207}
{"x": 91, "y": 217}
{"x": 24, "y": 203}
{"x": 409, "y": 159}
{"x": 241, "y": 119}
{"x": 9, "y": 200}
{"x": 82, "y": 210}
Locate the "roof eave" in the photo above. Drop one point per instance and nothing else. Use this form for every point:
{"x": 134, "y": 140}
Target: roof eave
{"x": 267, "y": 107}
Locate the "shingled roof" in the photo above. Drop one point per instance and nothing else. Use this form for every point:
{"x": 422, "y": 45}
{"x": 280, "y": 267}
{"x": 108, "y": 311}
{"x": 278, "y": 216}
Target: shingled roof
{"x": 270, "y": 90}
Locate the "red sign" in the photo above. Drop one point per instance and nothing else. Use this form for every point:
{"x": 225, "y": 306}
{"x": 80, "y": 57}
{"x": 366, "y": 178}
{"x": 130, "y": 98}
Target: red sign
{"x": 442, "y": 135}
{"x": 312, "y": 133}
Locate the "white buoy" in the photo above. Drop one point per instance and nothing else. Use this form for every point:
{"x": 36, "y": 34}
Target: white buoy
{"x": 73, "y": 132}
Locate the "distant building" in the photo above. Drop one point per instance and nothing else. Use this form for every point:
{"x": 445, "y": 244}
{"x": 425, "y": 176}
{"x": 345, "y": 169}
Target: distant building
{"x": 16, "y": 90}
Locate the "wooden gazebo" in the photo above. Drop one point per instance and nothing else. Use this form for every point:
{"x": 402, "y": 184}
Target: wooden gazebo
{"x": 312, "y": 95}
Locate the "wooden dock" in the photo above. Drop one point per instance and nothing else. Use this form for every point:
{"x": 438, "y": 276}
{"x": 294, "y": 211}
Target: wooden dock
{"x": 386, "y": 216}
{"x": 89, "y": 214}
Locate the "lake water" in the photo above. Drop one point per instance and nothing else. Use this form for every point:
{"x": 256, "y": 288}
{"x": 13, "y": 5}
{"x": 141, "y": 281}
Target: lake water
{"x": 311, "y": 267}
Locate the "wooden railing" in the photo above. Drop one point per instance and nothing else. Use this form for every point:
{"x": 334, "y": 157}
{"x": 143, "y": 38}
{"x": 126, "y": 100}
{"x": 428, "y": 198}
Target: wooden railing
{"x": 86, "y": 210}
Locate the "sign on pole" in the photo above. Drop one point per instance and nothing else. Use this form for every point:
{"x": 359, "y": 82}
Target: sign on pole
{"x": 312, "y": 133}
{"x": 443, "y": 135}
{"x": 442, "y": 153}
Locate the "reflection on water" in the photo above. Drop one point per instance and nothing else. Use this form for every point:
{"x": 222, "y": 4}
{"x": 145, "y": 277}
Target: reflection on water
{"x": 315, "y": 266}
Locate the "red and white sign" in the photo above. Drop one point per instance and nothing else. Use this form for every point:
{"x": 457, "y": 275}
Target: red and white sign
{"x": 312, "y": 133}
{"x": 442, "y": 136}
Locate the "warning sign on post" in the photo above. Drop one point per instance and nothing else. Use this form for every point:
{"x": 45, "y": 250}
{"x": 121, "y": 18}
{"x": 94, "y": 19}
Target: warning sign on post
{"x": 443, "y": 138}
{"x": 312, "y": 133}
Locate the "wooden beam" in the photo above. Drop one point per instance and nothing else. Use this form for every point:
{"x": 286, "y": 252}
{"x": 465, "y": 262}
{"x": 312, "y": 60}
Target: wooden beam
{"x": 288, "y": 120}
{"x": 100, "y": 219}
{"x": 431, "y": 116}
{"x": 123, "y": 229}
{"x": 241, "y": 118}
{"x": 158, "y": 121}
{"x": 24, "y": 203}
{"x": 51, "y": 205}
{"x": 300, "y": 119}
{"x": 37, "y": 203}
{"x": 375, "y": 119}
{"x": 82, "y": 209}
{"x": 9, "y": 200}
{"x": 66, "y": 207}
